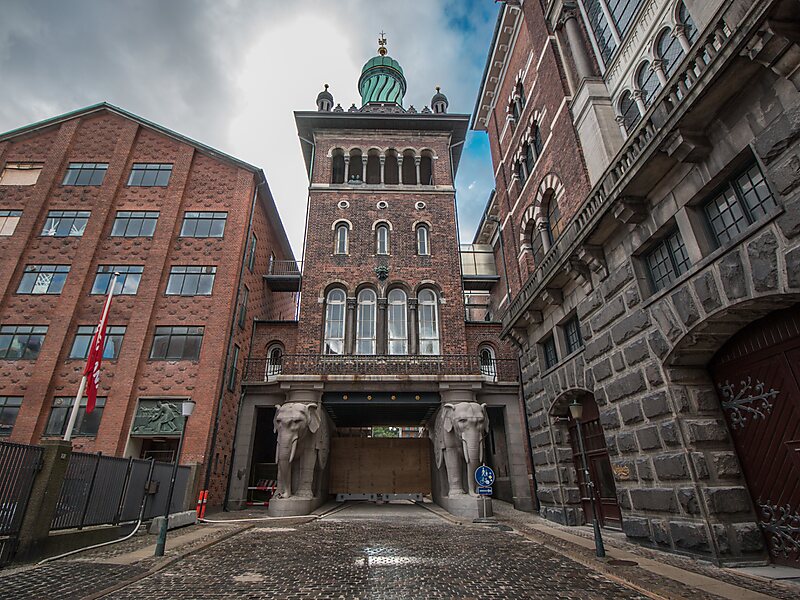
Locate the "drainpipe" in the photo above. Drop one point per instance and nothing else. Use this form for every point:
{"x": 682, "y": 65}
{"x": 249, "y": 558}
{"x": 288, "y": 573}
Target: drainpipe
{"x": 231, "y": 331}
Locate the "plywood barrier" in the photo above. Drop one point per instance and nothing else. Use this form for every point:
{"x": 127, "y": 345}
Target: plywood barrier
{"x": 380, "y": 465}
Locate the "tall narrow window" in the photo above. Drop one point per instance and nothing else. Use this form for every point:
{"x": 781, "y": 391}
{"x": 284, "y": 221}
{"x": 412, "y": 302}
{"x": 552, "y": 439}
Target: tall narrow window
{"x": 274, "y": 361}
{"x": 342, "y": 233}
{"x": 233, "y": 365}
{"x": 334, "y": 322}
{"x": 251, "y": 260}
{"x": 337, "y": 167}
{"x": 669, "y": 51}
{"x": 648, "y": 83}
{"x": 428, "y": 323}
{"x": 423, "y": 240}
{"x": 522, "y": 173}
{"x": 398, "y": 323}
{"x": 382, "y": 239}
{"x": 629, "y": 111}
{"x": 488, "y": 363}
{"x": 365, "y": 327}
{"x": 553, "y": 220}
{"x": 690, "y": 29}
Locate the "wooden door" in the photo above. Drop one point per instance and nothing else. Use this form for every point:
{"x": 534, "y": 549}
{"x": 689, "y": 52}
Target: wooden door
{"x": 757, "y": 375}
{"x": 605, "y": 490}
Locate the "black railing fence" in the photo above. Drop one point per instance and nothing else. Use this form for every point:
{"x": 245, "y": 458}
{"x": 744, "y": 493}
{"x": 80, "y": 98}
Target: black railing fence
{"x": 18, "y": 467}
{"x": 285, "y": 267}
{"x": 264, "y": 369}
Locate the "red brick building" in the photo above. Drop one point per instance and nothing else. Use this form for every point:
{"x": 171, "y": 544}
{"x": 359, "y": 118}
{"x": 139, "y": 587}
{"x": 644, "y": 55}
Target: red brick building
{"x": 191, "y": 232}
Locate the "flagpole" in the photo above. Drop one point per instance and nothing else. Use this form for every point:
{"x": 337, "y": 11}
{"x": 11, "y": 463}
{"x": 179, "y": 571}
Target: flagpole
{"x": 73, "y": 415}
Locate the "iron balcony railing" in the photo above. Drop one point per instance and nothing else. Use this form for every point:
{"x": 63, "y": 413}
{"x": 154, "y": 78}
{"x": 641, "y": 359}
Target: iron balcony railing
{"x": 266, "y": 369}
{"x": 285, "y": 268}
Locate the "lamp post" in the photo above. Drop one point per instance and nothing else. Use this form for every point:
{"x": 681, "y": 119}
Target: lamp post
{"x": 187, "y": 407}
{"x": 576, "y": 410}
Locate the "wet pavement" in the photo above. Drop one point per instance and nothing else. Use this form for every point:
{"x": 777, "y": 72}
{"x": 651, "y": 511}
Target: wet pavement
{"x": 369, "y": 551}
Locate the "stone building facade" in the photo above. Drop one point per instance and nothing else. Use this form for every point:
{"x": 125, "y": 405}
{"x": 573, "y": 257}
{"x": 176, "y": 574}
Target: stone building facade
{"x": 191, "y": 231}
{"x": 661, "y": 293}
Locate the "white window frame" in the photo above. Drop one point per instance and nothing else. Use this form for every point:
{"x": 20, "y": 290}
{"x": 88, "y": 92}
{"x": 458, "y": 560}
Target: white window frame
{"x": 427, "y": 299}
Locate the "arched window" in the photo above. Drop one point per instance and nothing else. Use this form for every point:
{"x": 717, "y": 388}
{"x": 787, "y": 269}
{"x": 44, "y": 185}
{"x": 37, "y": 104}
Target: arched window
{"x": 274, "y": 361}
{"x": 530, "y": 157}
{"x": 365, "y": 325}
{"x": 391, "y": 174}
{"x": 337, "y": 168}
{"x": 515, "y": 111}
{"x": 669, "y": 51}
{"x": 334, "y": 322}
{"x": 428, "y": 311}
{"x": 426, "y": 169}
{"x": 629, "y": 111}
{"x": 382, "y": 239}
{"x": 520, "y": 89}
{"x": 537, "y": 139}
{"x": 522, "y": 173}
{"x": 685, "y": 19}
{"x": 342, "y": 242}
{"x": 487, "y": 362}
{"x": 423, "y": 240}
{"x": 373, "y": 168}
{"x": 648, "y": 83}
{"x": 553, "y": 219}
{"x": 398, "y": 323}
{"x": 356, "y": 167}
{"x": 409, "y": 169}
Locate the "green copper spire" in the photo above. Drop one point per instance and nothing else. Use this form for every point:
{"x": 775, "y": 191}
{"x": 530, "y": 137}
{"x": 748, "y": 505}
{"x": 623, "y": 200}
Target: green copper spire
{"x": 382, "y": 78}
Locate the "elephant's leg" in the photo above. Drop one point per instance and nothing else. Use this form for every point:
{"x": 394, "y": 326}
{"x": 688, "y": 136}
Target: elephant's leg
{"x": 284, "y": 479}
{"x": 306, "y": 475}
{"x": 452, "y": 460}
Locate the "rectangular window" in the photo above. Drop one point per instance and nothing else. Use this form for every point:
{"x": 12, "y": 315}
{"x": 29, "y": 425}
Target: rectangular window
{"x": 86, "y": 425}
{"x": 127, "y": 282}
{"x": 232, "y": 372}
{"x": 20, "y": 173}
{"x": 177, "y": 343}
{"x": 204, "y": 224}
{"x": 600, "y": 29}
{"x": 65, "y": 223}
{"x": 8, "y": 221}
{"x": 191, "y": 281}
{"x": 21, "y": 342}
{"x": 85, "y": 173}
{"x": 134, "y": 223}
{"x": 550, "y": 352}
{"x": 667, "y": 261}
{"x": 150, "y": 175}
{"x": 251, "y": 260}
{"x": 243, "y": 307}
{"x": 572, "y": 333}
{"x": 83, "y": 339}
{"x": 9, "y": 407}
{"x": 743, "y": 201}
{"x": 43, "y": 279}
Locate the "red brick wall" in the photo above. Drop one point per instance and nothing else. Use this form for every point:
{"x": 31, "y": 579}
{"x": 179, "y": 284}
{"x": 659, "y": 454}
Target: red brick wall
{"x": 198, "y": 182}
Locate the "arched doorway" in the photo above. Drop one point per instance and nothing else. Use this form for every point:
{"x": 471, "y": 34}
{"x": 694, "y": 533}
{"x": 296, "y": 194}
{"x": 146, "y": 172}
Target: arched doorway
{"x": 757, "y": 378}
{"x": 604, "y": 491}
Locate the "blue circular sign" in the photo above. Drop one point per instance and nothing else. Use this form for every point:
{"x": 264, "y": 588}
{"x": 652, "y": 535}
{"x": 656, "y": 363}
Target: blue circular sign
{"x": 484, "y": 476}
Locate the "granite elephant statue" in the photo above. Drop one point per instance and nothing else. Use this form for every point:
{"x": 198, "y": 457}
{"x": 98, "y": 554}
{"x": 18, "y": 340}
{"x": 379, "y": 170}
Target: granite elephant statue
{"x": 458, "y": 436}
{"x": 303, "y": 446}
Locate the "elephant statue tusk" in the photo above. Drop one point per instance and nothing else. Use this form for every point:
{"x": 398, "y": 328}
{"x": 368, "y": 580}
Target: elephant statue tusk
{"x": 464, "y": 449}
{"x": 292, "y": 451}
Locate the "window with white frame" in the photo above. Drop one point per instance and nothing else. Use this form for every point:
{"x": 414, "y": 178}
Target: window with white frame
{"x": 341, "y": 239}
{"x": 382, "y": 239}
{"x": 365, "y": 322}
{"x": 334, "y": 322}
{"x": 65, "y": 223}
{"x": 428, "y": 312}
{"x": 423, "y": 240}
{"x": 488, "y": 363}
{"x": 397, "y": 322}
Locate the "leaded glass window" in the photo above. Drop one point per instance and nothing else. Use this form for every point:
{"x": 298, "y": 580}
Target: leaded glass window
{"x": 334, "y": 322}
{"x": 398, "y": 322}
{"x": 365, "y": 323}
{"x": 667, "y": 261}
{"x": 428, "y": 310}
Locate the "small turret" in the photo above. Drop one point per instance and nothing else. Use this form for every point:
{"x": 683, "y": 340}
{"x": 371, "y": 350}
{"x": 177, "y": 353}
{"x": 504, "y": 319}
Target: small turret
{"x": 439, "y": 102}
{"x": 325, "y": 100}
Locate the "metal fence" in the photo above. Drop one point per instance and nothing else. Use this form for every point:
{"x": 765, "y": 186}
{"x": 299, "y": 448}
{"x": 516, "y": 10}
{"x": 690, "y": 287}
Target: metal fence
{"x": 18, "y": 466}
{"x": 104, "y": 490}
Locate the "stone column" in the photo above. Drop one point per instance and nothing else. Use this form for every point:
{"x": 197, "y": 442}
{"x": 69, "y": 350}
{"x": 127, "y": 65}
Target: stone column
{"x": 400, "y": 169}
{"x": 542, "y": 227}
{"x": 346, "y": 168}
{"x": 350, "y": 326}
{"x": 621, "y": 122}
{"x": 638, "y": 97}
{"x": 658, "y": 68}
{"x": 383, "y": 168}
{"x": 680, "y": 33}
{"x": 417, "y": 161}
{"x": 382, "y": 325}
{"x": 569, "y": 20}
{"x": 412, "y": 326}
{"x": 364, "y": 168}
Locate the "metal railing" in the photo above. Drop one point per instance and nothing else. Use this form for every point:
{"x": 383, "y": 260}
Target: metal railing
{"x": 19, "y": 464}
{"x": 285, "y": 268}
{"x": 265, "y": 369}
{"x": 697, "y": 68}
{"x": 105, "y": 490}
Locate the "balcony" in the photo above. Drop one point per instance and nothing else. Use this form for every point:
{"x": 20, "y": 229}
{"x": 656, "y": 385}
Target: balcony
{"x": 284, "y": 275}
{"x": 478, "y": 270}
{"x": 496, "y": 369}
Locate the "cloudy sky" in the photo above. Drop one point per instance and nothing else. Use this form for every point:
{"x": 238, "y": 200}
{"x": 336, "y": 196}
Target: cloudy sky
{"x": 229, "y": 73}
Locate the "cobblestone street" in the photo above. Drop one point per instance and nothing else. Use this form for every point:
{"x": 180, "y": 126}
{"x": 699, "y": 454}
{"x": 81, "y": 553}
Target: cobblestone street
{"x": 398, "y": 551}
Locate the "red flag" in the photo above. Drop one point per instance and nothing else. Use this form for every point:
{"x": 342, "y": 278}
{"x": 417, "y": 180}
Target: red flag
{"x": 92, "y": 370}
